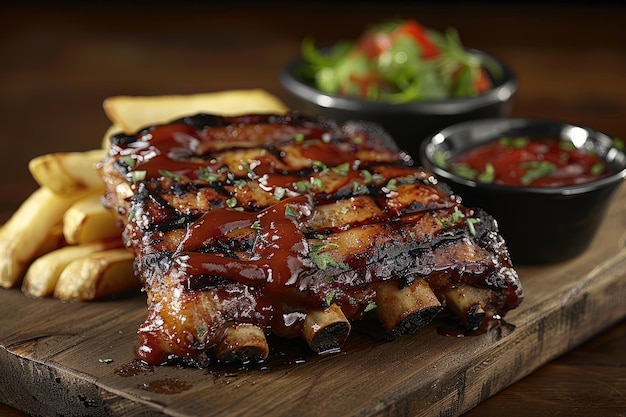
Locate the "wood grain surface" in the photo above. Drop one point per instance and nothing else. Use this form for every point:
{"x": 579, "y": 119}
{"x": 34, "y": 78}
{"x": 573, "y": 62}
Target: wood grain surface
{"x": 66, "y": 358}
{"x": 60, "y": 61}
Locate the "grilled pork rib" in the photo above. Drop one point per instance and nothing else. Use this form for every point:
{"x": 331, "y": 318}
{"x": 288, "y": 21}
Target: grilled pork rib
{"x": 248, "y": 225}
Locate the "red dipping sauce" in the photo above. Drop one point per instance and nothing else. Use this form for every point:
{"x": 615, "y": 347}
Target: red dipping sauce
{"x": 526, "y": 162}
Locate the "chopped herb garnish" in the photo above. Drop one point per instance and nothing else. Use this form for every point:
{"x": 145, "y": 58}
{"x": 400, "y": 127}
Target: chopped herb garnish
{"x": 566, "y": 145}
{"x": 206, "y": 174}
{"x": 392, "y": 184}
{"x": 316, "y": 247}
{"x": 465, "y": 171}
{"x": 299, "y": 137}
{"x": 317, "y": 183}
{"x": 251, "y": 174}
{"x": 302, "y": 186}
{"x": 289, "y": 211}
{"x": 456, "y": 215}
{"x": 256, "y": 225}
{"x": 240, "y": 183}
{"x": 169, "y": 174}
{"x": 470, "y": 225}
{"x": 535, "y": 170}
{"x": 357, "y": 140}
{"x": 279, "y": 193}
{"x": 448, "y": 221}
{"x": 231, "y": 202}
{"x": 369, "y": 177}
{"x": 597, "y": 168}
{"x": 321, "y": 167}
{"x": 443, "y": 222}
{"x": 440, "y": 158}
{"x": 517, "y": 142}
{"x": 330, "y": 297}
{"x": 342, "y": 169}
{"x": 370, "y": 307}
{"x": 322, "y": 260}
{"x": 128, "y": 161}
{"x": 136, "y": 176}
{"x": 488, "y": 175}
{"x": 329, "y": 278}
{"x": 356, "y": 187}
{"x": 107, "y": 360}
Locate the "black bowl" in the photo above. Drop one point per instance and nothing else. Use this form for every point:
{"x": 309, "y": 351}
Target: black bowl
{"x": 539, "y": 224}
{"x": 407, "y": 123}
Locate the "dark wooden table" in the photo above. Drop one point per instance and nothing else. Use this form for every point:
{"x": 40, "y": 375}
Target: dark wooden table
{"x": 58, "y": 63}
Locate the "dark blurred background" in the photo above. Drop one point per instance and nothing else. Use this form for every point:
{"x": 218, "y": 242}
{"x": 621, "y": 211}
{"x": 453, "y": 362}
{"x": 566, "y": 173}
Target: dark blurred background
{"x": 60, "y": 60}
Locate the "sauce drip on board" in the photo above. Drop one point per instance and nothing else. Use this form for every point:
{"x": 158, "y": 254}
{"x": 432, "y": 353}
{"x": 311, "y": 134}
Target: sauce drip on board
{"x": 521, "y": 161}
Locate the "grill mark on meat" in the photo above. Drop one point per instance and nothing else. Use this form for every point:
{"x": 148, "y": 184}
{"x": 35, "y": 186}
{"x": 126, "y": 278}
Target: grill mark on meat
{"x": 263, "y": 220}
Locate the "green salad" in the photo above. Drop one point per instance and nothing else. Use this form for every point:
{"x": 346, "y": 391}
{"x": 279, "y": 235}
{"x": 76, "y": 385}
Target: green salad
{"x": 399, "y": 62}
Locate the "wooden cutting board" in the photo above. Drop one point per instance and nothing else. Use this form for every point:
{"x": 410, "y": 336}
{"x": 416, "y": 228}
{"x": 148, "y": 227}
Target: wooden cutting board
{"x": 76, "y": 359}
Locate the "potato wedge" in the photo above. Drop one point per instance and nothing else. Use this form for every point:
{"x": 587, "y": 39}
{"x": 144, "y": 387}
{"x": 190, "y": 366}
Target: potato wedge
{"x": 132, "y": 113}
{"x": 54, "y": 240}
{"x": 87, "y": 220}
{"x": 43, "y": 274}
{"x": 68, "y": 173}
{"x": 27, "y": 232}
{"x": 97, "y": 275}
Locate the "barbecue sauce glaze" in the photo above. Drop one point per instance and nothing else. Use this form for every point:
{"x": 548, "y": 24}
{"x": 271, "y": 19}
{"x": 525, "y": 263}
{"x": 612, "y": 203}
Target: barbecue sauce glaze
{"x": 537, "y": 162}
{"x": 264, "y": 176}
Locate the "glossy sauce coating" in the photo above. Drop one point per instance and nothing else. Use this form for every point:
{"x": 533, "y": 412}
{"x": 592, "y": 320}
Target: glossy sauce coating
{"x": 260, "y": 219}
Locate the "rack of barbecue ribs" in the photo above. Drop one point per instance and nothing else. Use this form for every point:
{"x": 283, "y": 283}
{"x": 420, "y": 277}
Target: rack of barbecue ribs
{"x": 253, "y": 225}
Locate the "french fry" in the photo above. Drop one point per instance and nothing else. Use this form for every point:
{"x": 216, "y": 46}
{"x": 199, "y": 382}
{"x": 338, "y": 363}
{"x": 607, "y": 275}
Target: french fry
{"x": 27, "y": 231}
{"x": 43, "y": 274}
{"x": 131, "y": 113}
{"x": 68, "y": 173}
{"x": 97, "y": 275}
{"x": 54, "y": 240}
{"x": 87, "y": 220}
{"x": 62, "y": 241}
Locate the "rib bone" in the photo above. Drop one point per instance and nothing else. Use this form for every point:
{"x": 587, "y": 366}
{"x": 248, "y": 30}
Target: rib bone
{"x": 242, "y": 342}
{"x": 405, "y": 310}
{"x": 326, "y": 330}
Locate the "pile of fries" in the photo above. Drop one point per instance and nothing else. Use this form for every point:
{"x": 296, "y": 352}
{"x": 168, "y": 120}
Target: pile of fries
{"x": 62, "y": 242}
